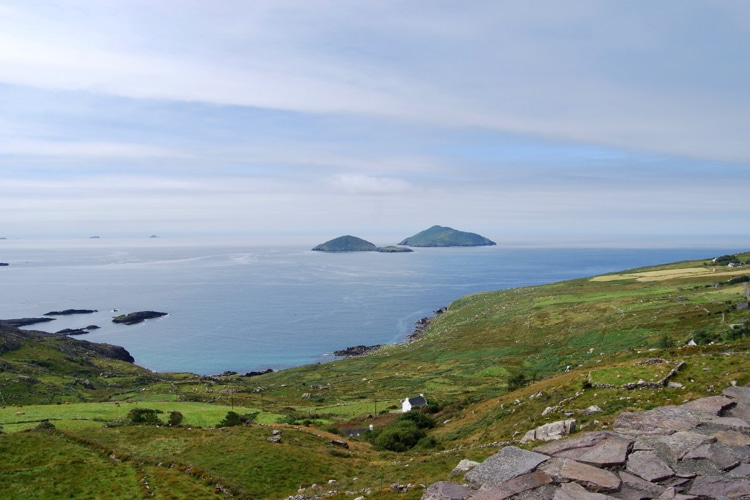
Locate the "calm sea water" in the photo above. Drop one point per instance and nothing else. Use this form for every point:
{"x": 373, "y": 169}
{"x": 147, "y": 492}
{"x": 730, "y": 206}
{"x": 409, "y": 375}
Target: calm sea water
{"x": 237, "y": 307}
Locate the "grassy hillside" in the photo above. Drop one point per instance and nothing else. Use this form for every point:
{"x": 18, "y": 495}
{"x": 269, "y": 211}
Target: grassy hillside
{"x": 493, "y": 363}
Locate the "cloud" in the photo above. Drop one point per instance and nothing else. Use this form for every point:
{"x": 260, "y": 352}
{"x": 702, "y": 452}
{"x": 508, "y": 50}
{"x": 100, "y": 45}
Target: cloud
{"x": 96, "y": 150}
{"x": 367, "y": 185}
{"x": 628, "y": 75}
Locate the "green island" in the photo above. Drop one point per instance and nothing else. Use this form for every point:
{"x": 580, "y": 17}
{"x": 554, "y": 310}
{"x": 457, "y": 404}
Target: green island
{"x": 80, "y": 421}
{"x": 353, "y": 244}
{"x": 440, "y": 236}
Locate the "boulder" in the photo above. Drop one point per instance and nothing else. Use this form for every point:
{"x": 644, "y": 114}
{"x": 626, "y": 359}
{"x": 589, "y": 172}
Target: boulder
{"x": 592, "y": 409}
{"x": 506, "y": 464}
{"x": 551, "y": 431}
{"x": 464, "y": 466}
{"x": 713, "y": 405}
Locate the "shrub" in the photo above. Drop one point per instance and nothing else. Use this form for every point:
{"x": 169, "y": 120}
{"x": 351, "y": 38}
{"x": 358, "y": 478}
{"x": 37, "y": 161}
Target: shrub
{"x": 665, "y": 342}
{"x": 144, "y": 416}
{"x": 516, "y": 382}
{"x": 704, "y": 337}
{"x": 420, "y": 420}
{"x": 175, "y": 418}
{"x": 400, "y": 437}
{"x": 233, "y": 418}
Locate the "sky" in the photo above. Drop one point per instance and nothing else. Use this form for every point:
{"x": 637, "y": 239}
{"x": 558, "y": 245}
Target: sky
{"x": 535, "y": 120}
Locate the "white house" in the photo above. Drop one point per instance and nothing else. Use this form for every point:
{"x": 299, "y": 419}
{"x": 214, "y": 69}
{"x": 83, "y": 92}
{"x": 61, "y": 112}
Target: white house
{"x": 409, "y": 404}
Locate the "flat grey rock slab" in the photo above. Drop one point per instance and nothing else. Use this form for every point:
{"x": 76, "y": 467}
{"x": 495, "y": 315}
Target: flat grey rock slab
{"x": 444, "y": 490}
{"x": 741, "y": 393}
{"x": 740, "y": 410}
{"x": 514, "y": 486}
{"x": 730, "y": 423}
{"x": 672, "y": 494}
{"x": 506, "y": 464}
{"x": 742, "y": 470}
{"x": 720, "y": 487}
{"x": 546, "y": 492}
{"x": 719, "y": 454}
{"x": 732, "y": 438}
{"x": 713, "y": 405}
{"x": 661, "y": 420}
{"x": 597, "y": 448}
{"x": 574, "y": 491}
{"x": 645, "y": 488}
{"x": 648, "y": 465}
{"x": 674, "y": 446}
{"x": 593, "y": 478}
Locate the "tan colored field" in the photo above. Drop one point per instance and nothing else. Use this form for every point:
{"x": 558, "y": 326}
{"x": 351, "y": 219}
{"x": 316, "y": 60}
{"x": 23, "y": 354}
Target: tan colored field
{"x": 666, "y": 274}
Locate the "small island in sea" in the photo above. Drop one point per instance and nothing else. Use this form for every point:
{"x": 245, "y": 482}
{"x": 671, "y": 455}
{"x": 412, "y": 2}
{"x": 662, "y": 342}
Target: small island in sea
{"x": 440, "y": 236}
{"x": 353, "y": 244}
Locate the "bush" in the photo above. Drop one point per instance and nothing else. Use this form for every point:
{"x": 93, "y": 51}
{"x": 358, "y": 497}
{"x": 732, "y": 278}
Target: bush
{"x": 233, "y": 418}
{"x": 420, "y": 420}
{"x": 516, "y": 382}
{"x": 665, "y": 342}
{"x": 144, "y": 416}
{"x": 400, "y": 437}
{"x": 704, "y": 337}
{"x": 175, "y": 418}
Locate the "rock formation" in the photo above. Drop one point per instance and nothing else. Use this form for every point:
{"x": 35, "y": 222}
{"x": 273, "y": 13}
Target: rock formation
{"x": 698, "y": 450}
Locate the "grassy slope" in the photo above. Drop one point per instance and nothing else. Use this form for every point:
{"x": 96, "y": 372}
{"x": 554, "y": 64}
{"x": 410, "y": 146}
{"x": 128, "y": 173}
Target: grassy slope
{"x": 601, "y": 328}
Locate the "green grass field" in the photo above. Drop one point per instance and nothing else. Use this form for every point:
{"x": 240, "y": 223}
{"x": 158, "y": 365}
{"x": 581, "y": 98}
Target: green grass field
{"x": 549, "y": 341}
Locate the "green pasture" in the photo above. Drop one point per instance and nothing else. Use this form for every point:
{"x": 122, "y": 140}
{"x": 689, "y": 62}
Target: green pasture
{"x": 76, "y": 416}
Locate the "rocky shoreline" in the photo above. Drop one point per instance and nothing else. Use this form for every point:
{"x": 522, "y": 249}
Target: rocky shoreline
{"x": 419, "y": 330}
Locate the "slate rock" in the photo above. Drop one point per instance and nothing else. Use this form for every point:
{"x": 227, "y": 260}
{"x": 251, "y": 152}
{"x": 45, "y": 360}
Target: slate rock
{"x": 741, "y": 393}
{"x": 551, "y": 431}
{"x": 574, "y": 491}
{"x": 671, "y": 494}
{"x": 713, "y": 405}
{"x": 739, "y": 410}
{"x": 673, "y": 446}
{"x": 729, "y": 423}
{"x": 661, "y": 420}
{"x": 506, "y": 464}
{"x": 444, "y": 490}
{"x": 464, "y": 466}
{"x": 596, "y": 448}
{"x": 566, "y": 469}
{"x": 514, "y": 486}
{"x": 648, "y": 465}
{"x": 742, "y": 470}
{"x": 720, "y": 487}
{"x": 732, "y": 438}
{"x": 717, "y": 453}
{"x": 641, "y": 488}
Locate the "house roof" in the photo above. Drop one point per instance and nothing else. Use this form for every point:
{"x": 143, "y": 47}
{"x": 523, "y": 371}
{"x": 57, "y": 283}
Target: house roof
{"x": 418, "y": 401}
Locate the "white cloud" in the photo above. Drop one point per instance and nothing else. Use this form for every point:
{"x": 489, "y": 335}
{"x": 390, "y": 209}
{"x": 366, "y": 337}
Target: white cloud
{"x": 584, "y": 71}
{"x": 364, "y": 184}
{"x": 86, "y": 150}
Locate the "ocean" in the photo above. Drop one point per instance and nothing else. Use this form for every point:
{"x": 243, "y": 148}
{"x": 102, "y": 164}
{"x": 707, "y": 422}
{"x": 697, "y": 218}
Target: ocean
{"x": 235, "y": 306}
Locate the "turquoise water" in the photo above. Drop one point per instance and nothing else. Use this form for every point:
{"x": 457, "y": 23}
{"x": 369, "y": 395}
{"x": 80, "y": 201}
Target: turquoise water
{"x": 242, "y": 308}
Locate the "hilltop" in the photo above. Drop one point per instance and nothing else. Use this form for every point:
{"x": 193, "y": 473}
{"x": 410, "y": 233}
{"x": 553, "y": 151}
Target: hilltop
{"x": 439, "y": 236}
{"x": 492, "y": 367}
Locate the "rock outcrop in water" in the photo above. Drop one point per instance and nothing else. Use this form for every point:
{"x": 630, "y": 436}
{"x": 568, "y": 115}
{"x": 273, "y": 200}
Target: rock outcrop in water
{"x": 137, "y": 317}
{"x": 68, "y": 312}
{"x": 357, "y": 350}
